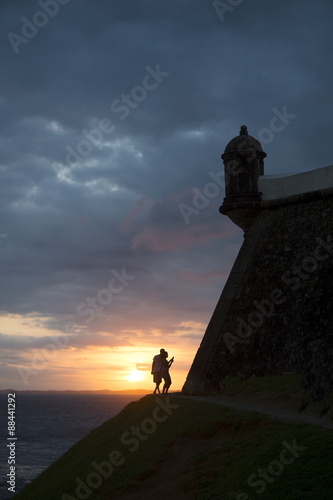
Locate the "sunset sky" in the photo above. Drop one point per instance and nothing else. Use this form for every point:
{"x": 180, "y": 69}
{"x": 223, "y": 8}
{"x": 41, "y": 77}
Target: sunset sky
{"x": 114, "y": 116}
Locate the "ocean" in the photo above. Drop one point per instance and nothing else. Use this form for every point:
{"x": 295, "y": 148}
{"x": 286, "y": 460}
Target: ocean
{"x": 47, "y": 425}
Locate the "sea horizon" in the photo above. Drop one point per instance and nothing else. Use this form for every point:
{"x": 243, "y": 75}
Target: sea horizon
{"x": 83, "y": 391}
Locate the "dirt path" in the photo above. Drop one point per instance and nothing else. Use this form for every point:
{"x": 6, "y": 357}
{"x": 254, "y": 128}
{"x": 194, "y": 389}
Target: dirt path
{"x": 165, "y": 480}
{"x": 274, "y": 413}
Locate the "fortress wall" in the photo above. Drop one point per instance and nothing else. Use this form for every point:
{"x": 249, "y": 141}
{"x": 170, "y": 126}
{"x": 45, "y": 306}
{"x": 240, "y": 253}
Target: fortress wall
{"x": 281, "y": 186}
{"x": 197, "y": 380}
{"x": 275, "y": 313}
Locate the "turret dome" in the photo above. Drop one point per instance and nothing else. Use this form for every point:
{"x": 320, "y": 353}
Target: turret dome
{"x": 243, "y": 141}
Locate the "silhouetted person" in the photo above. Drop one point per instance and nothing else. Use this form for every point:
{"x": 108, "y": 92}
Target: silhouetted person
{"x": 165, "y": 372}
{"x": 156, "y": 369}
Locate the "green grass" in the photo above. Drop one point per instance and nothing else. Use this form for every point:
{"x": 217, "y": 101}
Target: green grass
{"x": 233, "y": 445}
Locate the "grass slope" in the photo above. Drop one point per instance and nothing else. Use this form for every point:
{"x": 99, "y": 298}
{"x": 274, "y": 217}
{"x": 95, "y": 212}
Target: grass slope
{"x": 223, "y": 449}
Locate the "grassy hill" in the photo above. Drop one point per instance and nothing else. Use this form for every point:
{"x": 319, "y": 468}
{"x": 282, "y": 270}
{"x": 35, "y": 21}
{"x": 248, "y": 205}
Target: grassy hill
{"x": 171, "y": 447}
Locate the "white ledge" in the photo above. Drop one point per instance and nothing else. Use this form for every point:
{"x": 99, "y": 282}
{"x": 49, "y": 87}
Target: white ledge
{"x": 274, "y": 187}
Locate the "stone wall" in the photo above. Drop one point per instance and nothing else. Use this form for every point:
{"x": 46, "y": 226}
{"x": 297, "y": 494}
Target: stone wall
{"x": 275, "y": 313}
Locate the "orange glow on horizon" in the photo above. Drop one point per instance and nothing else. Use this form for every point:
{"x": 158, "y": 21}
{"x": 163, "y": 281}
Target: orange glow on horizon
{"x": 81, "y": 365}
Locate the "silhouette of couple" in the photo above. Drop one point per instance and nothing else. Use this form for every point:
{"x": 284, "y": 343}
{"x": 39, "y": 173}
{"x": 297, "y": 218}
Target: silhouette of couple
{"x": 160, "y": 370}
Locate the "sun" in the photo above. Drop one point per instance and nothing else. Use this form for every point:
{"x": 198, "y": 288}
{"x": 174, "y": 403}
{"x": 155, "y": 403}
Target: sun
{"x": 134, "y": 376}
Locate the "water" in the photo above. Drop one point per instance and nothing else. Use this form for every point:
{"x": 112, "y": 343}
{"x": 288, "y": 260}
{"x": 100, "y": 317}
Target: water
{"x": 47, "y": 425}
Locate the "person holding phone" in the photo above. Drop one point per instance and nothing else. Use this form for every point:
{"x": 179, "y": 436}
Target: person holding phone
{"x": 165, "y": 372}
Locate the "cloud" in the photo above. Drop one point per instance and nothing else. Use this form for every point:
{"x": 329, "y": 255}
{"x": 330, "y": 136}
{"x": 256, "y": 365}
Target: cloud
{"x": 136, "y": 209}
{"x": 70, "y": 222}
{"x": 156, "y": 240}
{"x": 201, "y": 279}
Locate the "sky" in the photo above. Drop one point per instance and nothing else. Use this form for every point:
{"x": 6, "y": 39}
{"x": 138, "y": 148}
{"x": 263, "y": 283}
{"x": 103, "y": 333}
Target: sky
{"x": 114, "y": 116}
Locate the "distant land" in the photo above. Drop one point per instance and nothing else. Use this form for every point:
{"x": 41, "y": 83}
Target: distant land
{"x": 102, "y": 391}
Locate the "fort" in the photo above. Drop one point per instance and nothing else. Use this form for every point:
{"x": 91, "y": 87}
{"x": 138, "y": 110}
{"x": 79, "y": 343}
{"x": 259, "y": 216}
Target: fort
{"x": 275, "y": 313}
